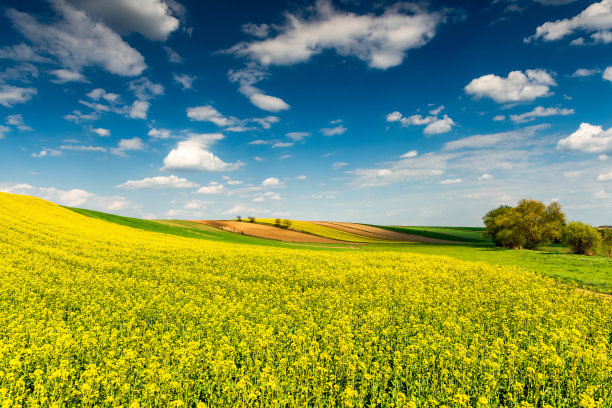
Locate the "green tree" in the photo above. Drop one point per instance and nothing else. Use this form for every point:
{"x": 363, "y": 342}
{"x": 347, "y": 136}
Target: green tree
{"x": 494, "y": 223}
{"x": 606, "y": 240}
{"x": 285, "y": 224}
{"x": 581, "y": 238}
{"x": 277, "y": 222}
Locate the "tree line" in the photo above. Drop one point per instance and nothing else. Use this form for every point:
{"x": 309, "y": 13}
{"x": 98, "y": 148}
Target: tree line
{"x": 532, "y": 223}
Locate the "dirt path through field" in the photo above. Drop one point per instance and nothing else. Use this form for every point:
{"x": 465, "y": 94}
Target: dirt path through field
{"x": 269, "y": 232}
{"x": 380, "y": 233}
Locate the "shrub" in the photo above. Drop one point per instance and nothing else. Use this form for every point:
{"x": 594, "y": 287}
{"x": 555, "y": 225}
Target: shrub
{"x": 238, "y": 218}
{"x": 581, "y": 238}
{"x": 251, "y": 219}
{"x": 277, "y": 222}
{"x": 606, "y": 240}
{"x": 285, "y": 224}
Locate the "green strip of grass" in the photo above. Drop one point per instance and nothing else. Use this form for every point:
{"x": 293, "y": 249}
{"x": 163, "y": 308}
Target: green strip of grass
{"x": 448, "y": 234}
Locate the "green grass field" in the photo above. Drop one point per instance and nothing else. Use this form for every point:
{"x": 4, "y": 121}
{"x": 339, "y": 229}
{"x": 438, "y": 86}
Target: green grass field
{"x": 471, "y": 235}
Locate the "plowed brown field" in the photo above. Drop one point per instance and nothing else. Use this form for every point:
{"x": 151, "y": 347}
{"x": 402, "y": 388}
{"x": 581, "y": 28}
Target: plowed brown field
{"x": 380, "y": 233}
{"x": 269, "y": 232}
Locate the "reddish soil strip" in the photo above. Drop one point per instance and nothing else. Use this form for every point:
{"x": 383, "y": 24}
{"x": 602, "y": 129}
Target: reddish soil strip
{"x": 380, "y": 233}
{"x": 269, "y": 232}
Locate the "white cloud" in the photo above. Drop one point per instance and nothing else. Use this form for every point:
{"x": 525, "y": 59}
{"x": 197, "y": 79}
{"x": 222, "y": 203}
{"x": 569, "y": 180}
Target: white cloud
{"x": 262, "y": 101}
{"x": 198, "y": 205}
{"x": 301, "y": 177}
{"x": 485, "y": 177}
{"x": 73, "y": 198}
{"x": 139, "y": 110}
{"x": 435, "y": 125}
{"x": 602, "y": 157}
{"x": 605, "y": 177}
{"x": 339, "y": 165}
{"x": 607, "y": 75}
{"x": 17, "y": 121}
{"x": 3, "y": 130}
{"x": 212, "y": 188}
{"x": 145, "y": 90}
{"x": 186, "y": 81}
{"x": 173, "y": 56}
{"x": 259, "y": 31}
{"x": 133, "y": 144}
{"x": 584, "y": 72}
{"x": 517, "y": 87}
{"x": 66, "y": 75}
{"x": 379, "y": 40}
{"x": 436, "y": 111}
{"x": 151, "y": 18}
{"x": 270, "y": 195}
{"x": 193, "y": 155}
{"x": 588, "y": 139}
{"x": 451, "y": 181}
{"x": 297, "y": 136}
{"x": 259, "y": 142}
{"x": 102, "y": 132}
{"x": 334, "y": 131}
{"x": 80, "y": 148}
{"x": 99, "y": 93}
{"x": 21, "y": 52}
{"x": 407, "y": 155}
{"x": 499, "y": 118}
{"x": 282, "y": 144}
{"x": 208, "y": 114}
{"x": 439, "y": 126}
{"x": 540, "y": 112}
{"x": 595, "y": 18}
{"x": 158, "y": 182}
{"x": 159, "y": 133}
{"x": 77, "y": 41}
{"x": 285, "y": 156}
{"x": 77, "y": 116}
{"x": 46, "y": 153}
{"x": 494, "y": 139}
{"x": 11, "y": 95}
{"x": 271, "y": 182}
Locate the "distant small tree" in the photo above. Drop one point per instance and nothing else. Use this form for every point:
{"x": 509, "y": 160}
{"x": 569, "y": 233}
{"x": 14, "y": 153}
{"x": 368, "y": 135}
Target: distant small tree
{"x": 251, "y": 219}
{"x": 238, "y": 218}
{"x": 581, "y": 238}
{"x": 277, "y": 222}
{"x": 606, "y": 240}
{"x": 286, "y": 224}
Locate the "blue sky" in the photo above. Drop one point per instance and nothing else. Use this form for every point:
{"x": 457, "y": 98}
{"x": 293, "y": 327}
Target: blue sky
{"x": 426, "y": 113}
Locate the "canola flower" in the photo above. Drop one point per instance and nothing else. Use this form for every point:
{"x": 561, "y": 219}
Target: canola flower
{"x": 94, "y": 314}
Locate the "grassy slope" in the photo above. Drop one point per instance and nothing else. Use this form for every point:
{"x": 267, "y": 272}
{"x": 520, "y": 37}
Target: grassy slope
{"x": 459, "y": 234}
{"x": 326, "y": 232}
{"x": 590, "y": 272}
{"x": 189, "y": 229}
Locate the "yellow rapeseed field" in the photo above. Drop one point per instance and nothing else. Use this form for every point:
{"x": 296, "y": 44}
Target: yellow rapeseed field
{"x": 99, "y": 315}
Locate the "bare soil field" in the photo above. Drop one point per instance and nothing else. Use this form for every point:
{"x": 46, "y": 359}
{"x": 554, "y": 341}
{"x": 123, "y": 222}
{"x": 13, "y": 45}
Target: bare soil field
{"x": 269, "y": 232}
{"x": 373, "y": 232}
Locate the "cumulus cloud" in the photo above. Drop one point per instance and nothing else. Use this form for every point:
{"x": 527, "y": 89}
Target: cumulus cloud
{"x": 451, "y": 181}
{"x": 173, "y": 56}
{"x": 519, "y": 136}
{"x": 499, "y": 118}
{"x": 193, "y": 154}
{"x": 435, "y": 124}
{"x": 211, "y": 188}
{"x": 3, "y": 130}
{"x": 297, "y": 136}
{"x": 604, "y": 177}
{"x": 72, "y": 198}
{"x": 65, "y": 75}
{"x": 584, "y": 72}
{"x": 17, "y": 121}
{"x": 517, "y": 87}
{"x": 595, "y": 18}
{"x": 407, "y": 155}
{"x": 99, "y": 93}
{"x": 379, "y": 40}
{"x": 485, "y": 177}
{"x": 271, "y": 182}
{"x": 145, "y": 90}
{"x": 46, "y": 152}
{"x": 77, "y": 116}
{"x": 334, "y": 131}
{"x": 139, "y": 110}
{"x": 540, "y": 112}
{"x": 101, "y": 132}
{"x": 133, "y": 144}
{"x": 151, "y": 18}
{"x": 588, "y": 139}
{"x": 282, "y": 144}
{"x": 159, "y": 133}
{"x": 208, "y": 113}
{"x": 607, "y": 75}
{"x": 77, "y": 41}
{"x": 186, "y": 81}
{"x": 81, "y": 148}
{"x": 11, "y": 95}
{"x": 247, "y": 78}
{"x": 21, "y": 52}
{"x": 339, "y": 165}
{"x": 159, "y": 182}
